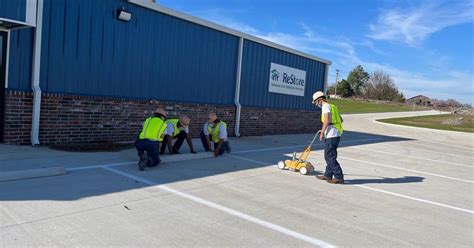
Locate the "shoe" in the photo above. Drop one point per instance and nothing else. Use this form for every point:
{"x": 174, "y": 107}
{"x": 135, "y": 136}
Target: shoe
{"x": 336, "y": 181}
{"x": 143, "y": 161}
{"x": 228, "y": 149}
{"x": 323, "y": 178}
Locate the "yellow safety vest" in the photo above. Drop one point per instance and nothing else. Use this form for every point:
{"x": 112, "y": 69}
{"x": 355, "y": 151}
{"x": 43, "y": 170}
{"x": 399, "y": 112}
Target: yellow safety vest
{"x": 336, "y": 120}
{"x": 214, "y": 131}
{"x": 153, "y": 129}
{"x": 174, "y": 122}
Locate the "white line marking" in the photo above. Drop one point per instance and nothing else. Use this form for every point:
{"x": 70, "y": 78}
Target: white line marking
{"x": 416, "y": 199}
{"x": 400, "y": 195}
{"x": 288, "y": 147}
{"x": 100, "y": 166}
{"x": 399, "y": 168}
{"x": 247, "y": 151}
{"x": 230, "y": 211}
{"x": 442, "y": 148}
{"x": 442, "y": 143}
{"x": 408, "y": 156}
{"x": 423, "y": 150}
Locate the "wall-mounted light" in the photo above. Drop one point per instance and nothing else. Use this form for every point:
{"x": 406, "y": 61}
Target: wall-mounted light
{"x": 124, "y": 15}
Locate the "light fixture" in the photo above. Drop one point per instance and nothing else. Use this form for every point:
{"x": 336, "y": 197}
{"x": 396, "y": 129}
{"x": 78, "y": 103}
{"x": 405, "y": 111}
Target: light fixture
{"x": 124, "y": 15}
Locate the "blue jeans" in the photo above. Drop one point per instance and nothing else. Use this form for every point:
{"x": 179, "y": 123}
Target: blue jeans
{"x": 330, "y": 155}
{"x": 151, "y": 148}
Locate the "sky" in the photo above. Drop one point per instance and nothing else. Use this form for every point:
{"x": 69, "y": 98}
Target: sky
{"x": 425, "y": 46}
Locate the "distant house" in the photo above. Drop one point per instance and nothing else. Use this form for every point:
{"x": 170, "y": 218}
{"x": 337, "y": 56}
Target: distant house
{"x": 420, "y": 100}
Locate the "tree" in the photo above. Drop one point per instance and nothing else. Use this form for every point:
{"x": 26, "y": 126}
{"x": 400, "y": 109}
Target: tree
{"x": 344, "y": 89}
{"x": 380, "y": 86}
{"x": 357, "y": 79}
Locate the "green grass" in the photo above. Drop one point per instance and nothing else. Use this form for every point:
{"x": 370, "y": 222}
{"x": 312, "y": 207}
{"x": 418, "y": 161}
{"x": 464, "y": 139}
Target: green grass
{"x": 348, "y": 106}
{"x": 436, "y": 122}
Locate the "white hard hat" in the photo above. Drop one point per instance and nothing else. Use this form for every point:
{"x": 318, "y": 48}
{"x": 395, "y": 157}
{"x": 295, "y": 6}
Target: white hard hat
{"x": 317, "y": 95}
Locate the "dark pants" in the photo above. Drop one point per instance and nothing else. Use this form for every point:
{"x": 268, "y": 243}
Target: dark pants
{"x": 223, "y": 147}
{"x": 204, "y": 142}
{"x": 177, "y": 144}
{"x": 151, "y": 148}
{"x": 330, "y": 155}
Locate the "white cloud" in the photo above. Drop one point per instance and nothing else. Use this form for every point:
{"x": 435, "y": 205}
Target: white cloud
{"x": 415, "y": 24}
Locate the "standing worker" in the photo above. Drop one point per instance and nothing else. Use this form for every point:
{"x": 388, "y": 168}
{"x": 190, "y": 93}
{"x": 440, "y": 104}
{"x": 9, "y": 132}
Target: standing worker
{"x": 177, "y": 129}
{"x": 215, "y": 130}
{"x": 331, "y": 134}
{"x": 149, "y": 140}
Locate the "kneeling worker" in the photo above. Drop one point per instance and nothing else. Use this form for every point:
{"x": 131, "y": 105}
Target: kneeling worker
{"x": 177, "y": 129}
{"x": 215, "y": 130}
{"x": 149, "y": 140}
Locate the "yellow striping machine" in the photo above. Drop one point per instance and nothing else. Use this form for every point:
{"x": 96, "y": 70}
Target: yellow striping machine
{"x": 300, "y": 164}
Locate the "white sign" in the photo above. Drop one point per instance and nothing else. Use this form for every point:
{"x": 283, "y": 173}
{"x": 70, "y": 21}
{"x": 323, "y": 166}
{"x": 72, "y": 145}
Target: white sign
{"x": 286, "y": 80}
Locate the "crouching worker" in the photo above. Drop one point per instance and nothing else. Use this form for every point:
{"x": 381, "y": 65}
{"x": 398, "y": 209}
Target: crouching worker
{"x": 215, "y": 130}
{"x": 149, "y": 140}
{"x": 177, "y": 129}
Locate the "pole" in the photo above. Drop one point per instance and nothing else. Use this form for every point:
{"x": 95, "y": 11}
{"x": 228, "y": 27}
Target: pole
{"x": 337, "y": 80}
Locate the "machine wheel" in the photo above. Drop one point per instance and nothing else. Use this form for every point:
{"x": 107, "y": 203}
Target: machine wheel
{"x": 281, "y": 165}
{"x": 303, "y": 170}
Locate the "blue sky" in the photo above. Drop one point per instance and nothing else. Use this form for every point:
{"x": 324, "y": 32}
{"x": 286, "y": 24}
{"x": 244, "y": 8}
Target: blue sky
{"x": 426, "y": 46}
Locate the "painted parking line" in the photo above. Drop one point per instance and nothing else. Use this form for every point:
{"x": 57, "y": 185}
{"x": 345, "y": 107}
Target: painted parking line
{"x": 227, "y": 210}
{"x": 288, "y": 147}
{"x": 443, "y": 148}
{"x": 391, "y": 193}
{"x": 404, "y": 169}
{"x": 416, "y": 199}
{"x": 409, "y": 156}
{"x": 423, "y": 150}
{"x": 238, "y": 152}
{"x": 443, "y": 143}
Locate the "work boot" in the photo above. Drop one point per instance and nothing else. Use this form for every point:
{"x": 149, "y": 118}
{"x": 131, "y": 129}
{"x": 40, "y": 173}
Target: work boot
{"x": 228, "y": 149}
{"x": 323, "y": 178}
{"x": 336, "y": 181}
{"x": 143, "y": 161}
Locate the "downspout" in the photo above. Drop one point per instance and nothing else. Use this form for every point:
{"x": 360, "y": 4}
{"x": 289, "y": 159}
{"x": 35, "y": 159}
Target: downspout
{"x": 237, "y": 88}
{"x": 326, "y": 74}
{"x": 35, "y": 85}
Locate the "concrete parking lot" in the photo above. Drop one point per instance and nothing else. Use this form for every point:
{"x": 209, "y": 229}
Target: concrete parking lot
{"x": 404, "y": 187}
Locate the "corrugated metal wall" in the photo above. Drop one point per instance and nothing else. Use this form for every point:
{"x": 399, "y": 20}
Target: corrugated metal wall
{"x": 20, "y": 61}
{"x": 86, "y": 50}
{"x": 256, "y": 59}
{"x": 13, "y": 9}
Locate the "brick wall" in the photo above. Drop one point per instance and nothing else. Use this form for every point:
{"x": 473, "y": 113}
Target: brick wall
{"x": 76, "y": 119}
{"x": 18, "y": 111}
{"x": 257, "y": 121}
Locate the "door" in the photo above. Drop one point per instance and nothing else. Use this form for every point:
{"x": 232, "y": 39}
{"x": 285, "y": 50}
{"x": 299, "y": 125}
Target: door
{"x": 3, "y": 67}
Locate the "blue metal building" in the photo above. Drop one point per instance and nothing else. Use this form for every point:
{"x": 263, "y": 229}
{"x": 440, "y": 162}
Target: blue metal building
{"x": 137, "y": 49}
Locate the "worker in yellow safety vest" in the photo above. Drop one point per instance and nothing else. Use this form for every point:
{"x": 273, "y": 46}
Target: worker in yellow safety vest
{"x": 149, "y": 140}
{"x": 177, "y": 129}
{"x": 331, "y": 134}
{"x": 215, "y": 131}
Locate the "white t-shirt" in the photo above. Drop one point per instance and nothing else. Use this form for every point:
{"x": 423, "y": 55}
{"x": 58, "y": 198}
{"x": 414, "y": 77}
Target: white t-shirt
{"x": 222, "y": 131}
{"x": 170, "y": 129}
{"x": 205, "y": 128}
{"x": 331, "y": 131}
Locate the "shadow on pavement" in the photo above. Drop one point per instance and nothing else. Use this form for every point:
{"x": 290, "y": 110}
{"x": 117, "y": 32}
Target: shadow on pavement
{"x": 386, "y": 180}
{"x": 95, "y": 182}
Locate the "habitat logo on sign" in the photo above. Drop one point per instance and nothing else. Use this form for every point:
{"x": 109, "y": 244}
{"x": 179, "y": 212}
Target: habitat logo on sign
{"x": 286, "y": 80}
